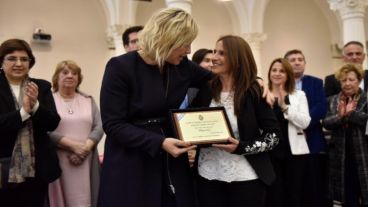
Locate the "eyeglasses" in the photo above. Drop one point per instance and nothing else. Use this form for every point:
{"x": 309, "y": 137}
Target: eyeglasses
{"x": 14, "y": 59}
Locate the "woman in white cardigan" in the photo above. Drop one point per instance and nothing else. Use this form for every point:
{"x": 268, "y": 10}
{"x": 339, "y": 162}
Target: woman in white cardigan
{"x": 289, "y": 157}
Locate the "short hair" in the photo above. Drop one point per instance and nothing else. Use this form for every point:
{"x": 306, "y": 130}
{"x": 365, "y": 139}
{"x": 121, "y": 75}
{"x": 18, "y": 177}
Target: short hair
{"x": 73, "y": 66}
{"x": 243, "y": 70}
{"x": 354, "y": 43}
{"x": 165, "y": 31}
{"x": 357, "y": 69}
{"x": 293, "y": 52}
{"x": 290, "y": 81}
{"x": 128, "y": 31}
{"x": 11, "y": 45}
{"x": 200, "y": 54}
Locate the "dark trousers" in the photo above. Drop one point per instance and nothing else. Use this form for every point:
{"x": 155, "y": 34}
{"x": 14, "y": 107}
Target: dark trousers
{"x": 235, "y": 194}
{"x": 287, "y": 189}
{"x": 352, "y": 184}
{"x": 32, "y": 193}
{"x": 315, "y": 187}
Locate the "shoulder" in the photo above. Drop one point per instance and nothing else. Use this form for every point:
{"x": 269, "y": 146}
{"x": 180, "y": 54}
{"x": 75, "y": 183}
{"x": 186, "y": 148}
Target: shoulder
{"x": 312, "y": 79}
{"x": 84, "y": 95}
{"x": 297, "y": 94}
{"x": 122, "y": 60}
{"x": 41, "y": 83}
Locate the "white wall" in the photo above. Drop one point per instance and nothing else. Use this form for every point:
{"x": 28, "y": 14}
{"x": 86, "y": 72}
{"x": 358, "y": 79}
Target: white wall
{"x": 78, "y": 33}
{"x": 299, "y": 24}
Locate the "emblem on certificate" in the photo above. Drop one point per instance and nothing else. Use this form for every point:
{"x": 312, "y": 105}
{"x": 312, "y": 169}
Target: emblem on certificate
{"x": 202, "y": 125}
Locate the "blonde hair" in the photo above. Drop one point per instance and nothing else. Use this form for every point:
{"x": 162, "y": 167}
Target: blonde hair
{"x": 60, "y": 67}
{"x": 165, "y": 31}
{"x": 345, "y": 69}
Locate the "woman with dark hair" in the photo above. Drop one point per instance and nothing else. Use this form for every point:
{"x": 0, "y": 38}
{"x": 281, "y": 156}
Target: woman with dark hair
{"x": 203, "y": 57}
{"x": 289, "y": 157}
{"x": 28, "y": 160}
{"x": 236, "y": 173}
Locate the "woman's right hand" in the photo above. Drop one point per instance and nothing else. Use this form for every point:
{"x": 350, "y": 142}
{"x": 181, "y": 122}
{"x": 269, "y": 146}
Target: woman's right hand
{"x": 176, "y": 147}
{"x": 80, "y": 149}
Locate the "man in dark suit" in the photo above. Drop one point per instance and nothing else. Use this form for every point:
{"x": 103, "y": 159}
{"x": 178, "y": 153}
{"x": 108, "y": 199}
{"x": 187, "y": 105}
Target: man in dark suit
{"x": 317, "y": 103}
{"x": 353, "y": 52}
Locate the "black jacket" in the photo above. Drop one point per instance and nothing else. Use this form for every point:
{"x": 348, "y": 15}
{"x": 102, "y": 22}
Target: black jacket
{"x": 254, "y": 115}
{"x": 45, "y": 119}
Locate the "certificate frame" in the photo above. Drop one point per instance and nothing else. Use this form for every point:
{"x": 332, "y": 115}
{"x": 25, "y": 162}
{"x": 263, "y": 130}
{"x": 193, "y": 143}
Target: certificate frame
{"x": 202, "y": 126}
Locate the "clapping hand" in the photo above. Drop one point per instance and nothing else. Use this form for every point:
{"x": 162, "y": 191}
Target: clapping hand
{"x": 30, "y": 96}
{"x": 351, "y": 106}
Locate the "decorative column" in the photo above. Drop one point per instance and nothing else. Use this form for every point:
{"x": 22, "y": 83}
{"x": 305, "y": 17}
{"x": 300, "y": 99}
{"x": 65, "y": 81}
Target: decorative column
{"x": 114, "y": 39}
{"x": 255, "y": 41}
{"x": 352, "y": 15}
{"x": 185, "y": 5}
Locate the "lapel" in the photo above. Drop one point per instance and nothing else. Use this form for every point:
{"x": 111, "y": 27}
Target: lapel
{"x": 305, "y": 83}
{"x": 6, "y": 97}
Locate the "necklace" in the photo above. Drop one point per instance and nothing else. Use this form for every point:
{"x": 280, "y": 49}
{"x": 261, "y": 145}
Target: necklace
{"x": 68, "y": 103}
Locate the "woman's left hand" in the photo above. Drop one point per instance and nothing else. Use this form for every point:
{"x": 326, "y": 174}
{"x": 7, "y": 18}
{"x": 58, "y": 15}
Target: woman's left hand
{"x": 75, "y": 159}
{"x": 230, "y": 147}
{"x": 31, "y": 91}
{"x": 270, "y": 98}
{"x": 30, "y": 96}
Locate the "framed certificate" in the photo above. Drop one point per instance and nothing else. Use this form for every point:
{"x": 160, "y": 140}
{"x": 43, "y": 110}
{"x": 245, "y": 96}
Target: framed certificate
{"x": 202, "y": 125}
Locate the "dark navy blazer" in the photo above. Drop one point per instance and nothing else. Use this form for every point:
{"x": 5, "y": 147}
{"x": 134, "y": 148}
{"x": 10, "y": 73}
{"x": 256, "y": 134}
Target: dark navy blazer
{"x": 135, "y": 167}
{"x": 317, "y": 103}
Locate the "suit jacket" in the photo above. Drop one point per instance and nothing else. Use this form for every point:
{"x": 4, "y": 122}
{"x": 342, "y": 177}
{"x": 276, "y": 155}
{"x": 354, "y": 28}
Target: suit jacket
{"x": 333, "y": 87}
{"x": 254, "y": 115}
{"x": 136, "y": 171}
{"x": 45, "y": 119}
{"x": 317, "y": 104}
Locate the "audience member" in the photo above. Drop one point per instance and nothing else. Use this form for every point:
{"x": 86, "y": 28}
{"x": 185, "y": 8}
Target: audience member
{"x": 315, "y": 186}
{"x": 130, "y": 38}
{"x": 289, "y": 158}
{"x": 77, "y": 135}
{"x": 348, "y": 150}
{"x": 28, "y": 160}
{"x": 352, "y": 52}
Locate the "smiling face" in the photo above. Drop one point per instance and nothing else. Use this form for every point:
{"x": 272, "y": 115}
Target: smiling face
{"x": 349, "y": 83}
{"x": 16, "y": 66}
{"x": 278, "y": 76}
{"x": 178, "y": 54}
{"x": 220, "y": 60}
